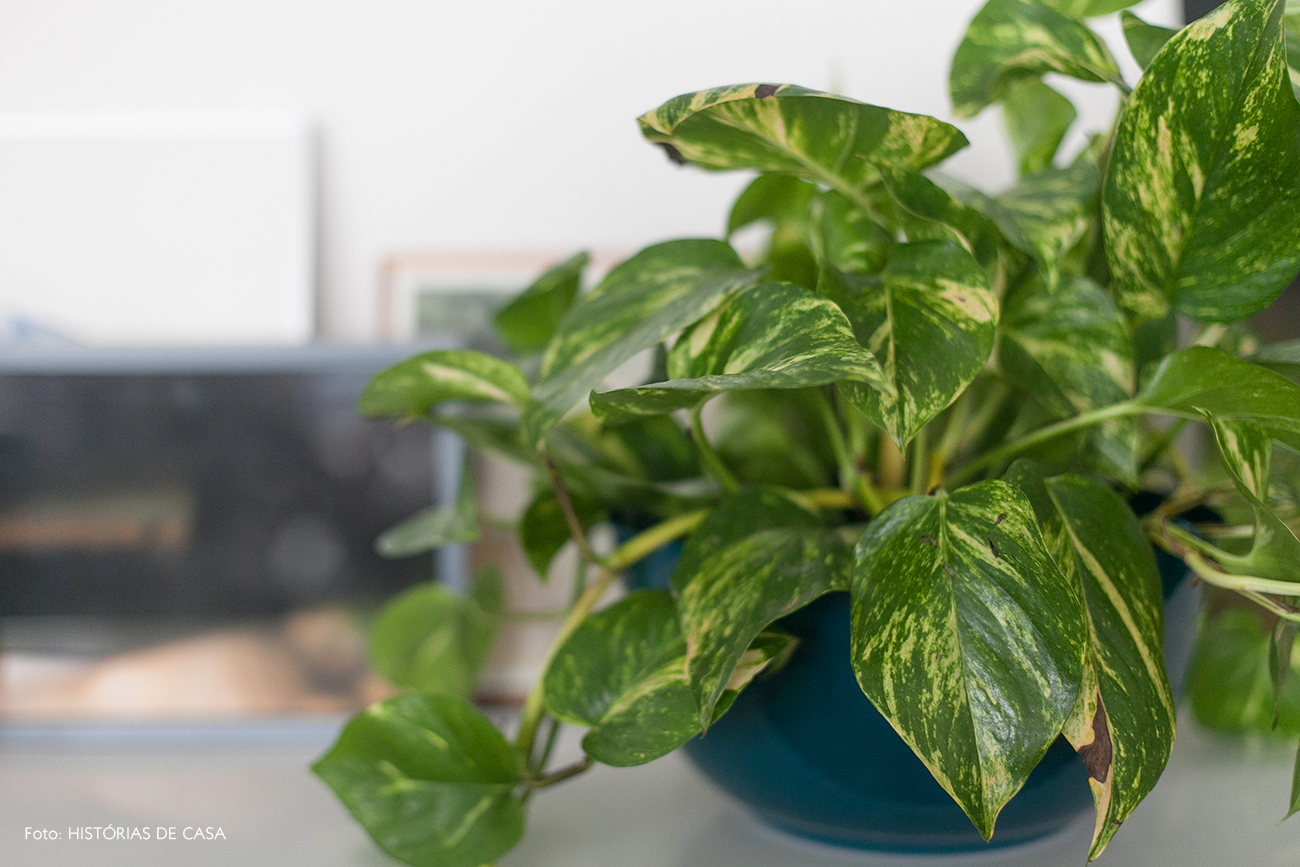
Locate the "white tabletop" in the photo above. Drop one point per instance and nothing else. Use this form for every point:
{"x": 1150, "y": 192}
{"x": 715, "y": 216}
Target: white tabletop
{"x": 1218, "y": 804}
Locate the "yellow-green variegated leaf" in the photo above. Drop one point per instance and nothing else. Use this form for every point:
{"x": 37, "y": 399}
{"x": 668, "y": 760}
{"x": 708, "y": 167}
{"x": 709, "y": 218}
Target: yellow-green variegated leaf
{"x": 1089, "y": 8}
{"x": 785, "y": 129}
{"x": 1292, "y": 26}
{"x": 1123, "y": 723}
{"x": 776, "y": 335}
{"x": 414, "y": 386}
{"x": 931, "y": 295}
{"x": 1199, "y": 205}
{"x": 927, "y": 202}
{"x": 430, "y": 778}
{"x": 642, "y": 301}
{"x": 967, "y": 638}
{"x": 529, "y": 321}
{"x": 436, "y": 526}
{"x": 1037, "y": 118}
{"x": 1014, "y": 39}
{"x": 1144, "y": 40}
{"x": 845, "y": 237}
{"x": 623, "y": 673}
{"x": 756, "y": 558}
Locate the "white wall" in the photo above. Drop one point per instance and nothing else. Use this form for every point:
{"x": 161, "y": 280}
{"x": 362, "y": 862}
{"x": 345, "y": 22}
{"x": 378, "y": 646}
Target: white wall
{"x": 488, "y": 124}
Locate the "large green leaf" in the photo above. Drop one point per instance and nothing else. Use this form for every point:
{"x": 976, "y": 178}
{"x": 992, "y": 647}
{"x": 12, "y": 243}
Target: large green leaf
{"x": 431, "y": 780}
{"x": 435, "y": 526}
{"x": 1229, "y": 682}
{"x": 1200, "y": 193}
{"x": 1123, "y": 722}
{"x": 1013, "y": 39}
{"x": 623, "y": 673}
{"x": 528, "y": 322}
{"x": 1292, "y": 22}
{"x": 931, "y": 294}
{"x": 1203, "y": 379}
{"x": 785, "y": 129}
{"x": 642, "y": 301}
{"x": 412, "y": 387}
{"x": 1144, "y": 40}
{"x": 775, "y": 438}
{"x": 543, "y": 530}
{"x": 776, "y": 335}
{"x": 429, "y": 639}
{"x": 756, "y": 558}
{"x": 967, "y": 638}
{"x": 1037, "y": 118}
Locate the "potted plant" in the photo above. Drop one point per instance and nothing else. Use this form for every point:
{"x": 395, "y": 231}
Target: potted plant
{"x": 940, "y": 406}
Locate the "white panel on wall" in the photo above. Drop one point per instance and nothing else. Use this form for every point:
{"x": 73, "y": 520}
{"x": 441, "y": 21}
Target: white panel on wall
{"x": 157, "y": 229}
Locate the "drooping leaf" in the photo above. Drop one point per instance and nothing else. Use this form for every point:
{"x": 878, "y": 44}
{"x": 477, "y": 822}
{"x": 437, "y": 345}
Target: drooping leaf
{"x": 1089, "y": 8}
{"x": 1199, "y": 200}
{"x": 1144, "y": 40}
{"x": 844, "y": 236}
{"x": 776, "y": 335}
{"x": 623, "y": 673}
{"x": 791, "y": 130}
{"x": 1037, "y": 119}
{"x": 757, "y": 557}
{"x": 922, "y": 198}
{"x": 412, "y": 387}
{"x": 1014, "y": 39}
{"x": 1123, "y": 722}
{"x": 435, "y": 526}
{"x": 1229, "y": 682}
{"x": 642, "y": 301}
{"x": 931, "y": 294}
{"x": 430, "y": 779}
{"x": 967, "y": 638}
{"x": 429, "y": 639}
{"x": 528, "y": 322}
{"x": 543, "y": 530}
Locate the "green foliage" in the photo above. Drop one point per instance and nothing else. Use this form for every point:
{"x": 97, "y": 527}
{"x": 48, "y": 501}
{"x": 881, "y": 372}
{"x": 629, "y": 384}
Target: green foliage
{"x": 901, "y": 341}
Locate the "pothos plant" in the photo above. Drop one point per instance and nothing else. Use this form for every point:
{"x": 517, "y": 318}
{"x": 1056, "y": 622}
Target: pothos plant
{"x": 937, "y": 399}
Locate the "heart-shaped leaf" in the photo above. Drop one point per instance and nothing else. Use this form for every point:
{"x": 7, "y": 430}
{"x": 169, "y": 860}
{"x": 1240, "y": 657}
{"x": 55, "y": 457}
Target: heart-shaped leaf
{"x": 918, "y": 196}
{"x": 1199, "y": 199}
{"x": 430, "y": 779}
{"x": 1014, "y": 39}
{"x": 1037, "y": 119}
{"x": 436, "y": 526}
{"x": 1144, "y": 40}
{"x": 776, "y": 335}
{"x": 756, "y": 558}
{"x": 543, "y": 531}
{"x": 931, "y": 294}
{"x": 967, "y": 638}
{"x": 412, "y": 387}
{"x": 1123, "y": 722}
{"x": 529, "y": 321}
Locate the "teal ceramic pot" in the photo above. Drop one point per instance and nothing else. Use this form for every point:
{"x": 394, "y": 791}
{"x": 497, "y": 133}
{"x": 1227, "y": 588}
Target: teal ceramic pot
{"x": 805, "y": 751}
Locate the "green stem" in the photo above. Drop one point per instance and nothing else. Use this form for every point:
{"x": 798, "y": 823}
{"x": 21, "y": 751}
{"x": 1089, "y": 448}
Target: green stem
{"x": 559, "y": 776}
{"x": 711, "y": 460}
{"x": 566, "y": 508}
{"x": 920, "y": 461}
{"x": 648, "y": 541}
{"x": 848, "y": 471}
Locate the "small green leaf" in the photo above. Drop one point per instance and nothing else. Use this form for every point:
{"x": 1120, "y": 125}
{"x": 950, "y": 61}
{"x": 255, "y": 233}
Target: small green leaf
{"x": 774, "y": 198}
{"x": 1199, "y": 201}
{"x": 931, "y": 294}
{"x": 1229, "y": 682}
{"x": 1037, "y": 119}
{"x": 785, "y": 129}
{"x": 543, "y": 530}
{"x": 527, "y": 323}
{"x": 436, "y": 526}
{"x": 1089, "y": 8}
{"x": 925, "y": 200}
{"x": 776, "y": 335}
{"x": 430, "y": 779}
{"x": 623, "y": 673}
{"x": 412, "y": 387}
{"x": 967, "y": 638}
{"x": 640, "y": 303}
{"x": 756, "y": 558}
{"x": 1144, "y": 40}
{"x": 1013, "y": 39}
{"x": 429, "y": 639}
{"x": 844, "y": 236}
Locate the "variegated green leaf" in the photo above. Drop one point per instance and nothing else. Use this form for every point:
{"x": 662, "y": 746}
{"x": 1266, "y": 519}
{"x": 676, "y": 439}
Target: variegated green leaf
{"x": 931, "y": 294}
{"x": 1013, "y": 39}
{"x": 1203, "y": 379}
{"x": 918, "y": 196}
{"x": 844, "y": 236}
{"x": 412, "y": 387}
{"x": 967, "y": 638}
{"x": 1144, "y": 40}
{"x": 756, "y": 558}
{"x": 1199, "y": 199}
{"x": 543, "y": 530}
{"x": 529, "y": 321}
{"x": 1292, "y": 34}
{"x": 436, "y": 526}
{"x": 776, "y": 335}
{"x": 641, "y": 302}
{"x": 431, "y": 780}
{"x": 1037, "y": 119}
{"x": 785, "y": 129}
{"x": 1089, "y": 8}
{"x": 1123, "y": 723}
{"x": 623, "y": 673}
{"x": 775, "y": 438}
